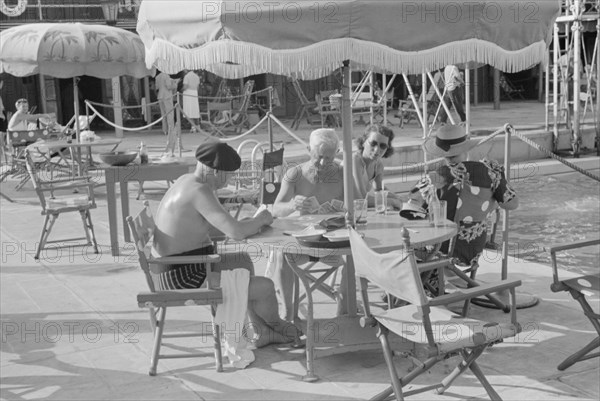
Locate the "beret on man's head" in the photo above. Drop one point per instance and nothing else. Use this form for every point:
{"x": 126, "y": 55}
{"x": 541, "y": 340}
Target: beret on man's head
{"x": 218, "y": 156}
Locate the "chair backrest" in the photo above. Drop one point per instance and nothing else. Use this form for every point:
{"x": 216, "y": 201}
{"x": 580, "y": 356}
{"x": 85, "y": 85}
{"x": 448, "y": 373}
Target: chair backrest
{"x": 218, "y": 106}
{"x": 246, "y": 95}
{"x": 142, "y": 230}
{"x": 395, "y": 272}
{"x": 298, "y": 89}
{"x": 269, "y": 186}
{"x": 35, "y": 179}
{"x": 26, "y": 137}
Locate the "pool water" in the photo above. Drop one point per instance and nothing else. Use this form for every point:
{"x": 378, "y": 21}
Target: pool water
{"x": 553, "y": 210}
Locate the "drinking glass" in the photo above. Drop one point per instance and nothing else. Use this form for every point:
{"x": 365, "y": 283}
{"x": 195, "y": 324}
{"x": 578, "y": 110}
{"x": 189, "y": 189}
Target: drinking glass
{"x": 360, "y": 212}
{"x": 437, "y": 217}
{"x": 380, "y": 202}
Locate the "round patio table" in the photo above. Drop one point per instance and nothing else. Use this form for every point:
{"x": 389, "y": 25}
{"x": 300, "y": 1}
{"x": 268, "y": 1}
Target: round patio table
{"x": 382, "y": 233}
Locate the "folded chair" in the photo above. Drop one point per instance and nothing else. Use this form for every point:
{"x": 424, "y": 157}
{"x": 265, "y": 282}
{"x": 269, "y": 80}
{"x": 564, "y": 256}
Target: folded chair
{"x": 425, "y": 321}
{"x": 307, "y": 108}
{"x": 509, "y": 90}
{"x": 157, "y": 301}
{"x": 54, "y": 204}
{"x": 329, "y": 108}
{"x": 579, "y": 287}
{"x": 224, "y": 116}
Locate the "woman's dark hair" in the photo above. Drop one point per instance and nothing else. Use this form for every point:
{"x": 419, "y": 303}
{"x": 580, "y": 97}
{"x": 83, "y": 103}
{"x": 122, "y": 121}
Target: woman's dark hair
{"x": 382, "y": 130}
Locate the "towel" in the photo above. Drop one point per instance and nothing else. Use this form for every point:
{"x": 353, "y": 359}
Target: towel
{"x": 232, "y": 317}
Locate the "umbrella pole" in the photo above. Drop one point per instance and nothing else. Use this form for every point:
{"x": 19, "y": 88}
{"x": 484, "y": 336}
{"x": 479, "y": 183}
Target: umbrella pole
{"x": 347, "y": 144}
{"x": 77, "y": 150}
{"x": 76, "y": 106}
{"x": 269, "y": 121}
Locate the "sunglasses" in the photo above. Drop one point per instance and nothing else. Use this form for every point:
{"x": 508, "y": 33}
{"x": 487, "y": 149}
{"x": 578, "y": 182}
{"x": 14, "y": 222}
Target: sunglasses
{"x": 374, "y": 144}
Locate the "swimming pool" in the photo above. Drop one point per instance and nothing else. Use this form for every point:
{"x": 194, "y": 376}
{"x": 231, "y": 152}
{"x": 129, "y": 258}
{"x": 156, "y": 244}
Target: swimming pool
{"x": 556, "y": 209}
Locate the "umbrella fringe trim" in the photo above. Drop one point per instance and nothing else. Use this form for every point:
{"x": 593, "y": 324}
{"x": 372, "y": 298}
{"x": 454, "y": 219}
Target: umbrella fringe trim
{"x": 323, "y": 58}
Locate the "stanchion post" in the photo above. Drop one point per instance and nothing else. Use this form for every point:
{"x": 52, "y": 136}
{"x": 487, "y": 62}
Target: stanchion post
{"x": 178, "y": 126}
{"x": 269, "y": 122}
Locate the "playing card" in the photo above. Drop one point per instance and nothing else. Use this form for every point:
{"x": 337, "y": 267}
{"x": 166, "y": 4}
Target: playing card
{"x": 337, "y": 205}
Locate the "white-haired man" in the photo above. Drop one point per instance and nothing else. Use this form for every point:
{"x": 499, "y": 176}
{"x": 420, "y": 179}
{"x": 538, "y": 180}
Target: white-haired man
{"x": 320, "y": 177}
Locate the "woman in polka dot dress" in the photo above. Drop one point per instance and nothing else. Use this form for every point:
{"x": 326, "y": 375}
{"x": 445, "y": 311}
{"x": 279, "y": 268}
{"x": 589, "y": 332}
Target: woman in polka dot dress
{"x": 472, "y": 189}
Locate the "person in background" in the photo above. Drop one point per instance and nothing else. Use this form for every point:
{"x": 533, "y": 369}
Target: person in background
{"x": 372, "y": 146}
{"x": 454, "y": 87}
{"x": 166, "y": 87}
{"x": 2, "y": 110}
{"x": 22, "y": 120}
{"x": 191, "y": 107}
{"x": 184, "y": 219}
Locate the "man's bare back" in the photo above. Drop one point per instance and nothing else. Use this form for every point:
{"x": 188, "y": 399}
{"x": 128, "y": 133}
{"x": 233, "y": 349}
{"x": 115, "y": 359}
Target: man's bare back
{"x": 179, "y": 225}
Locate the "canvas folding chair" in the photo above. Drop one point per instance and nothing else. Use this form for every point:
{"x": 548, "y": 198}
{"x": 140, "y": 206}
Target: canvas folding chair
{"x": 424, "y": 321}
{"x": 53, "y": 204}
{"x": 307, "y": 108}
{"x": 224, "y": 116}
{"x": 407, "y": 110}
{"x": 579, "y": 287}
{"x": 509, "y": 90}
{"x": 270, "y": 184}
{"x": 329, "y": 108}
{"x": 157, "y": 301}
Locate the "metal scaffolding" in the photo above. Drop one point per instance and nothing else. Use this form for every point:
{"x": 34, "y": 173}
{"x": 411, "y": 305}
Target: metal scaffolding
{"x": 573, "y": 78}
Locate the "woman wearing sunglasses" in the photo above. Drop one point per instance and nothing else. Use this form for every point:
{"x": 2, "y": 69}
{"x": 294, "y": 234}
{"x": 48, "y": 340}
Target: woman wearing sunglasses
{"x": 373, "y": 145}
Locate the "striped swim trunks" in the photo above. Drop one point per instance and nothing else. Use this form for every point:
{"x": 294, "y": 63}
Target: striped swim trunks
{"x": 185, "y": 276}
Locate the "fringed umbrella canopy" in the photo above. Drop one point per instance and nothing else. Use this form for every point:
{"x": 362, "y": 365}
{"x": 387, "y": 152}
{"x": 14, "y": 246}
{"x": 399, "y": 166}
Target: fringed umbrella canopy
{"x": 68, "y": 50}
{"x": 310, "y": 39}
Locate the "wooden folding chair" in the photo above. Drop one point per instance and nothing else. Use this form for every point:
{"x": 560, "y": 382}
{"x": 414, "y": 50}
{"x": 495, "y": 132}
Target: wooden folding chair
{"x": 224, "y": 116}
{"x": 157, "y": 301}
{"x": 329, "y": 107}
{"x": 579, "y": 287}
{"x": 426, "y": 321}
{"x": 509, "y": 90}
{"x": 53, "y": 204}
{"x": 307, "y": 108}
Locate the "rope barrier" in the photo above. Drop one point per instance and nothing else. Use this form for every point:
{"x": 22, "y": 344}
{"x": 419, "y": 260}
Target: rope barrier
{"x": 226, "y": 98}
{"x": 112, "y": 106}
{"x": 550, "y": 154}
{"x": 126, "y": 128}
{"x": 415, "y": 167}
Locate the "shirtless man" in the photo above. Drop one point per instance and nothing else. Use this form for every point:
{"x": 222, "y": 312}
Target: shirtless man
{"x": 21, "y": 119}
{"x": 320, "y": 177}
{"x": 184, "y": 218}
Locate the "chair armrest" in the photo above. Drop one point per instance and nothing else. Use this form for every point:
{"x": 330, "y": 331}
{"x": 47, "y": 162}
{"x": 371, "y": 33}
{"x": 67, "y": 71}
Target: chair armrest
{"x": 436, "y": 264}
{"x": 553, "y": 249}
{"x": 180, "y": 297}
{"x": 572, "y": 245}
{"x": 73, "y": 180}
{"x": 179, "y": 260}
{"x": 464, "y": 294}
{"x": 46, "y": 187}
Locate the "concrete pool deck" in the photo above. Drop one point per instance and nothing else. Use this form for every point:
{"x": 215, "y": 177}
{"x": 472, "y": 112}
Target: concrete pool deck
{"x": 71, "y": 328}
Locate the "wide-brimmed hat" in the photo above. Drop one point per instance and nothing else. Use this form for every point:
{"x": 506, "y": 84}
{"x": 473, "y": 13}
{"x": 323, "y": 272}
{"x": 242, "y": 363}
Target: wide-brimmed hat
{"x": 448, "y": 140}
{"x": 411, "y": 210}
